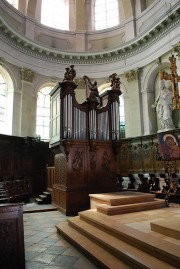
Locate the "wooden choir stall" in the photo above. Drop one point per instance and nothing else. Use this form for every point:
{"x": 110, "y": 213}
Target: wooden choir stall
{"x": 85, "y": 138}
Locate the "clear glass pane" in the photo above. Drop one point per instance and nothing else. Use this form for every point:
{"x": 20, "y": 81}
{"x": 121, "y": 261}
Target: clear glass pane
{"x": 46, "y": 133}
{"x": 43, "y": 112}
{"x": 55, "y": 15}
{"x": 14, "y": 3}
{"x": 46, "y": 121}
{"x": 106, "y": 14}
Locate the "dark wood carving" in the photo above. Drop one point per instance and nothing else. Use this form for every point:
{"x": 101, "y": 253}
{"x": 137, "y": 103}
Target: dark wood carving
{"x": 89, "y": 139}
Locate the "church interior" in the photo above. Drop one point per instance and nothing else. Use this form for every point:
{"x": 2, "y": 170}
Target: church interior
{"x": 89, "y": 134}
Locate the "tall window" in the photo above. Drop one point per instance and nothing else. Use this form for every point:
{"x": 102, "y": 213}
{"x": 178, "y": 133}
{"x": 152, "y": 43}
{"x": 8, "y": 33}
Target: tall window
{"x": 43, "y": 113}
{"x": 55, "y": 14}
{"x": 106, "y": 14}
{"x": 3, "y": 98}
{"x": 14, "y": 3}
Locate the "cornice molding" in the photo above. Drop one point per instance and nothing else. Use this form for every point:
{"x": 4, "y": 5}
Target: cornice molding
{"x": 130, "y": 49}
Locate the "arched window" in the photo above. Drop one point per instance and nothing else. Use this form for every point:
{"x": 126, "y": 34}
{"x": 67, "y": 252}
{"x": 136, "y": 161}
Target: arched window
{"x": 3, "y": 102}
{"x": 55, "y": 14}
{"x": 43, "y": 113}
{"x": 14, "y": 3}
{"x": 106, "y": 14}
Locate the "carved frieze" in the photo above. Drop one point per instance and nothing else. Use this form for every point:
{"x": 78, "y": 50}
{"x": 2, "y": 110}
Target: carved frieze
{"x": 146, "y": 151}
{"x": 77, "y": 160}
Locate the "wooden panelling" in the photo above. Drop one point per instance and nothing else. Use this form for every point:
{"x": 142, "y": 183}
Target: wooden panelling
{"x": 12, "y": 253}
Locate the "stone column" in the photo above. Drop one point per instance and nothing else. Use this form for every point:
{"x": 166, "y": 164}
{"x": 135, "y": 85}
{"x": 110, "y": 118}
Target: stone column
{"x": 148, "y": 111}
{"x": 23, "y": 6}
{"x": 80, "y": 25}
{"x": 72, "y": 17}
{"x": 27, "y": 120}
{"x": 129, "y": 11}
{"x": 16, "y": 113}
{"x": 88, "y": 15}
{"x": 80, "y": 15}
{"x": 133, "y": 106}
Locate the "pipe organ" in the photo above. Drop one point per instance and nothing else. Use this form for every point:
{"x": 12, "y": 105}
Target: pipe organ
{"x": 88, "y": 137}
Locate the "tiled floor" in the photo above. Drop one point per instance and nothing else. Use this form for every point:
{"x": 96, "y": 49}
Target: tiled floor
{"x": 44, "y": 248}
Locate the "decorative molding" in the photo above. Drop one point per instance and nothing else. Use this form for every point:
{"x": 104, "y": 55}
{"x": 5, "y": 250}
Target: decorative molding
{"x": 77, "y": 163}
{"x": 27, "y": 75}
{"x": 139, "y": 44}
{"x": 132, "y": 75}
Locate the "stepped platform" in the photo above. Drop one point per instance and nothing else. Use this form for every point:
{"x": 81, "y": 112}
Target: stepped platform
{"x": 169, "y": 227}
{"x": 124, "y": 202}
{"x": 120, "y": 198}
{"x": 123, "y": 240}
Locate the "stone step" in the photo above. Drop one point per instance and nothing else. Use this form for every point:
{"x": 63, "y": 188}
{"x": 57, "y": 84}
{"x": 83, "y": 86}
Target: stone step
{"x": 169, "y": 228}
{"x": 46, "y": 199}
{"x": 43, "y": 197}
{"x": 39, "y": 201}
{"x": 125, "y": 252}
{"x": 152, "y": 244}
{"x": 48, "y": 194}
{"x": 101, "y": 257}
{"x": 120, "y": 198}
{"x": 128, "y": 208}
{"x": 3, "y": 194}
{"x": 4, "y": 200}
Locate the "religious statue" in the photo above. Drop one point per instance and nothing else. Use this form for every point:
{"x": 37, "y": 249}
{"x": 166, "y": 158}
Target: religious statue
{"x": 164, "y": 107}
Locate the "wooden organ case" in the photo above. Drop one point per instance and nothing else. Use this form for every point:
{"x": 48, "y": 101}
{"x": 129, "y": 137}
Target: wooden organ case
{"x": 85, "y": 138}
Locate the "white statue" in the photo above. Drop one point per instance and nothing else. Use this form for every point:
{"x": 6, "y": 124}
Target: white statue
{"x": 164, "y": 108}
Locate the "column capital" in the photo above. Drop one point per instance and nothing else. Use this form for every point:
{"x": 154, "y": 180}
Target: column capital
{"x": 177, "y": 49}
{"x": 27, "y": 75}
{"x": 132, "y": 75}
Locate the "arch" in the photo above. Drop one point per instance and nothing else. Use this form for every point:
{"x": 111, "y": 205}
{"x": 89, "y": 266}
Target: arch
{"x": 9, "y": 102}
{"x": 43, "y": 83}
{"x": 150, "y": 87}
